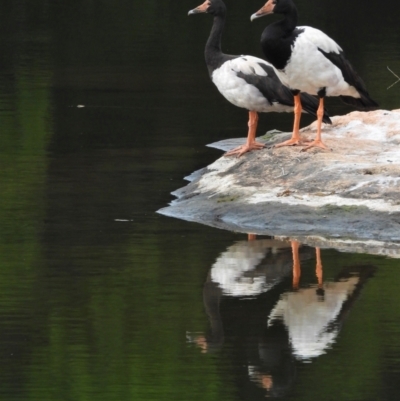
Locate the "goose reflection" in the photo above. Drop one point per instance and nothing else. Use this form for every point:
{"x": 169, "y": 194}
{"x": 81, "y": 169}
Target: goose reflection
{"x": 304, "y": 323}
{"x": 249, "y": 268}
{"x": 245, "y": 270}
{"x": 296, "y": 322}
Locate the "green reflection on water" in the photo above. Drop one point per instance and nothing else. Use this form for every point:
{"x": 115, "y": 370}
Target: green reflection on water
{"x": 25, "y": 130}
{"x": 25, "y": 120}
{"x": 92, "y": 316}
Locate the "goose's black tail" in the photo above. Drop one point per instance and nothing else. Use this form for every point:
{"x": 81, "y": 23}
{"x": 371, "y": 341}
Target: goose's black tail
{"x": 362, "y": 103}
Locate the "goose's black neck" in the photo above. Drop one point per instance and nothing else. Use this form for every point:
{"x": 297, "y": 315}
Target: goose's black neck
{"x": 289, "y": 22}
{"x": 278, "y": 38}
{"x": 213, "y": 53}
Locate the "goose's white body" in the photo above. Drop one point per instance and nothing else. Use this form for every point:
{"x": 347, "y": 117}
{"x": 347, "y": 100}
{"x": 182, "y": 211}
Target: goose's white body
{"x": 241, "y": 93}
{"x": 308, "y": 70}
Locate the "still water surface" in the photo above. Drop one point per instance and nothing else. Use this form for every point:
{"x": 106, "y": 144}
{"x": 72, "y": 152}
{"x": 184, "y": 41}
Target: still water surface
{"x": 104, "y": 108}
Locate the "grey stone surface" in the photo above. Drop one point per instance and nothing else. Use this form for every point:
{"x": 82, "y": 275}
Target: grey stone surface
{"x": 350, "y": 193}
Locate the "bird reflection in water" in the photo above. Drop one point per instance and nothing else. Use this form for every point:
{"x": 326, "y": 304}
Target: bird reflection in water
{"x": 311, "y": 315}
{"x": 302, "y": 323}
{"x": 245, "y": 270}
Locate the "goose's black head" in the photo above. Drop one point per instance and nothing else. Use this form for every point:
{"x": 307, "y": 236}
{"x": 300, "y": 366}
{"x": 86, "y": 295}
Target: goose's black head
{"x": 213, "y": 7}
{"x": 274, "y": 7}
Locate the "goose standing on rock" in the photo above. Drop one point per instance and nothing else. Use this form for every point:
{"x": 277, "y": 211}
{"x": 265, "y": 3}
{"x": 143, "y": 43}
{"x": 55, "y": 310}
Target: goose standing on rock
{"x": 247, "y": 81}
{"x": 307, "y": 60}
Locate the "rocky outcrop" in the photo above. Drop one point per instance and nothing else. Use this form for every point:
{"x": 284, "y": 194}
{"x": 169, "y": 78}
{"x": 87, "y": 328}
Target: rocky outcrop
{"x": 350, "y": 192}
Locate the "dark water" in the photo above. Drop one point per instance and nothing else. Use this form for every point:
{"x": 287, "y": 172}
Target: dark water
{"x": 104, "y": 108}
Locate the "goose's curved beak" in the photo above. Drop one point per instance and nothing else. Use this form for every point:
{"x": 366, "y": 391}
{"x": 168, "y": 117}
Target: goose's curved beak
{"x": 200, "y": 9}
{"x": 268, "y": 8}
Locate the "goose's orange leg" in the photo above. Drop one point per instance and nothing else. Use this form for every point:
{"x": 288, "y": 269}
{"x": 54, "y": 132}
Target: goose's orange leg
{"x": 251, "y": 143}
{"x": 295, "y": 139}
{"x": 317, "y": 142}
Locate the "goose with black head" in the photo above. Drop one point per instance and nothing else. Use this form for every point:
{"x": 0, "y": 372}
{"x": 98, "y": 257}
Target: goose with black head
{"x": 307, "y": 60}
{"x": 246, "y": 81}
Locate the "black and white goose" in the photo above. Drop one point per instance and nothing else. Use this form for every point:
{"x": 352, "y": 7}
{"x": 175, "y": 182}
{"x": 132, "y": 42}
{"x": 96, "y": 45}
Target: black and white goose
{"x": 307, "y": 60}
{"x": 246, "y": 81}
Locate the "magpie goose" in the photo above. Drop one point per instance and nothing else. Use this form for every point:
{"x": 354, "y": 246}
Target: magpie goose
{"x": 307, "y": 60}
{"x": 246, "y": 81}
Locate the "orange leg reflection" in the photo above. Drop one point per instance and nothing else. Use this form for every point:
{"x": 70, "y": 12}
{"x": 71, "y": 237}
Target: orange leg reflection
{"x": 318, "y": 270}
{"x": 296, "y": 265}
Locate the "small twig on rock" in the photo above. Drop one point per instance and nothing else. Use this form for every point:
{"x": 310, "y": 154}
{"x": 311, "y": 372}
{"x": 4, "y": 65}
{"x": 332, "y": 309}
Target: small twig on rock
{"x": 282, "y": 175}
{"x": 398, "y": 78}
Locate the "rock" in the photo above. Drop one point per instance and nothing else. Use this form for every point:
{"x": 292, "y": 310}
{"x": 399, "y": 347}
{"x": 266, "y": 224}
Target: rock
{"x": 351, "y": 192}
